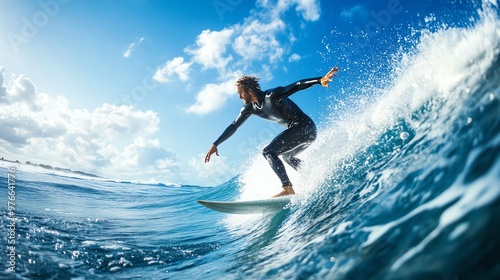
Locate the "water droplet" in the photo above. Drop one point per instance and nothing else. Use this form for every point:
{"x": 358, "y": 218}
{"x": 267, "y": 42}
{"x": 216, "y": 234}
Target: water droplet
{"x": 404, "y": 135}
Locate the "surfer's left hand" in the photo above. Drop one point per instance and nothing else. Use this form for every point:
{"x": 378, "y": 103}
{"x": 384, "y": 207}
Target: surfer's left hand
{"x": 212, "y": 150}
{"x": 328, "y": 77}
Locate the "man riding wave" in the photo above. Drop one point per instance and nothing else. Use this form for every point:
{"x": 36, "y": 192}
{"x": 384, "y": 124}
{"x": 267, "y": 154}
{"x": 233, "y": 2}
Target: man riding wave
{"x": 274, "y": 105}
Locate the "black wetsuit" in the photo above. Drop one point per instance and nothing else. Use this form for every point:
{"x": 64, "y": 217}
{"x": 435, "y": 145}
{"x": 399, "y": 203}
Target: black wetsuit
{"x": 274, "y": 105}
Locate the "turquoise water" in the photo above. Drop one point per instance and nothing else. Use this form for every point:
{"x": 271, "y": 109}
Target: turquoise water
{"x": 402, "y": 185}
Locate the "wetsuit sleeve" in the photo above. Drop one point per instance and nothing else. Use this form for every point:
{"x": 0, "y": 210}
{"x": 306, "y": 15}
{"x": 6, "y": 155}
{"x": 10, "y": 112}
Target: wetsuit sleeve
{"x": 231, "y": 129}
{"x": 286, "y": 91}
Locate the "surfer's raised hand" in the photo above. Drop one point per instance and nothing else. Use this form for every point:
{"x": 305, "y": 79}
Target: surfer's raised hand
{"x": 328, "y": 77}
{"x": 210, "y": 152}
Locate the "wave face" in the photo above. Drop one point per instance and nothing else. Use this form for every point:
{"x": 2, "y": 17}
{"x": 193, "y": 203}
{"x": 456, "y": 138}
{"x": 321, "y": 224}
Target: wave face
{"x": 402, "y": 185}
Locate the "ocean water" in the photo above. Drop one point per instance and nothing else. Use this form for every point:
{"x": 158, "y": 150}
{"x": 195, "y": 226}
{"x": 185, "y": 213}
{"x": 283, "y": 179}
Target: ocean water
{"x": 402, "y": 184}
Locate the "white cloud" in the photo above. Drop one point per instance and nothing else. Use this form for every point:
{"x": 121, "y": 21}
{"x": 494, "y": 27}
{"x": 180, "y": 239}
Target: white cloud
{"x": 358, "y": 11}
{"x": 263, "y": 38}
{"x": 308, "y": 9}
{"x": 214, "y": 172}
{"x": 258, "y": 41}
{"x": 131, "y": 47}
{"x": 113, "y": 140}
{"x": 22, "y": 90}
{"x": 210, "y": 48}
{"x": 294, "y": 57}
{"x": 212, "y": 97}
{"x": 173, "y": 67}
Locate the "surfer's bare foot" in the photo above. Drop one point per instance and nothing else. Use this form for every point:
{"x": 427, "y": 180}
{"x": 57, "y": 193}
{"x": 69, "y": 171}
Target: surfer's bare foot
{"x": 286, "y": 191}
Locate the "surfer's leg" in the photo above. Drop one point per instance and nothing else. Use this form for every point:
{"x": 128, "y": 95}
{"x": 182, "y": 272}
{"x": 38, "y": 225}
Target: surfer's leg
{"x": 303, "y": 139}
{"x": 294, "y": 162}
{"x": 289, "y": 143}
{"x": 271, "y": 154}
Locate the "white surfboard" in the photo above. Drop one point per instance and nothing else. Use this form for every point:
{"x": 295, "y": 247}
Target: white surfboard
{"x": 248, "y": 206}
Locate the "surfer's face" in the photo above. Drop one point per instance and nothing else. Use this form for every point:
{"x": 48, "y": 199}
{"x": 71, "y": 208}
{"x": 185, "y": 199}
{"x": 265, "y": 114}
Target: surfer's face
{"x": 245, "y": 94}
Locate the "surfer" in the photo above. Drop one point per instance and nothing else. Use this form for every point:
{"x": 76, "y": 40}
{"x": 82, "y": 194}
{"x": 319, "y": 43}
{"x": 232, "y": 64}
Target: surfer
{"x": 274, "y": 105}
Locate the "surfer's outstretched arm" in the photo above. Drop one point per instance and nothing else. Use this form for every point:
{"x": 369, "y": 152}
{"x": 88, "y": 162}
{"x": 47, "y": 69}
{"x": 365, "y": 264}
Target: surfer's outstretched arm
{"x": 286, "y": 91}
{"x": 229, "y": 131}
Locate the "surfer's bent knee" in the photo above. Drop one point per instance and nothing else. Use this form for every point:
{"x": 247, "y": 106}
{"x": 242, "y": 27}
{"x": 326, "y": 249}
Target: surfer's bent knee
{"x": 268, "y": 153}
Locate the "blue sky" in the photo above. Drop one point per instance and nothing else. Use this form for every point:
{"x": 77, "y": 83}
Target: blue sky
{"x": 140, "y": 89}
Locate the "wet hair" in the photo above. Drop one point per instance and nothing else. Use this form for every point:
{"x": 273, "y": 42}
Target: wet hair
{"x": 249, "y": 82}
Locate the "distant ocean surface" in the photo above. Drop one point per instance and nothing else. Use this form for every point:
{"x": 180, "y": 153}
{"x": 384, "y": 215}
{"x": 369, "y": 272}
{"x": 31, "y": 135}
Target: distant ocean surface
{"x": 404, "y": 185}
